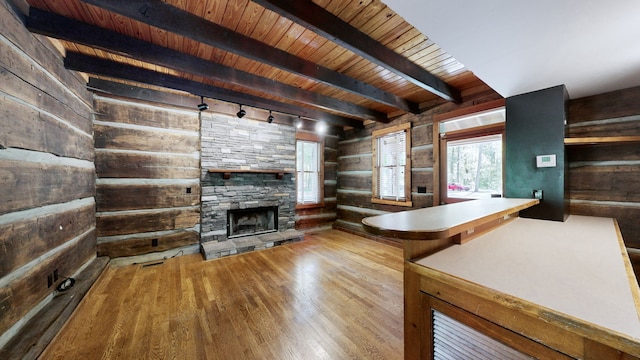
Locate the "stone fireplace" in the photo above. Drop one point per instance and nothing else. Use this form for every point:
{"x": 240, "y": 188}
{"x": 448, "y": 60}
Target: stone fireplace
{"x": 247, "y": 179}
{"x": 253, "y": 221}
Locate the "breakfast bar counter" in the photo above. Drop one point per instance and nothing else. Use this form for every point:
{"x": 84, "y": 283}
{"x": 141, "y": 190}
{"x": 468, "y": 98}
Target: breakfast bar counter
{"x": 518, "y": 287}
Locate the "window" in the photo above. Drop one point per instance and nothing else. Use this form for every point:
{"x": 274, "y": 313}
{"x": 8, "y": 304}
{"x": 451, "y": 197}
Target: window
{"x": 392, "y": 165}
{"x": 471, "y": 156}
{"x": 309, "y": 170}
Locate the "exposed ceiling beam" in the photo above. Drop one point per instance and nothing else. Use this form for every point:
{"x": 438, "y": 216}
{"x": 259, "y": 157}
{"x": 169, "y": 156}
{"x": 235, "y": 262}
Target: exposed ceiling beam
{"x": 324, "y": 23}
{"x": 161, "y": 15}
{"x": 140, "y": 93}
{"x": 98, "y": 66}
{"x": 60, "y": 27}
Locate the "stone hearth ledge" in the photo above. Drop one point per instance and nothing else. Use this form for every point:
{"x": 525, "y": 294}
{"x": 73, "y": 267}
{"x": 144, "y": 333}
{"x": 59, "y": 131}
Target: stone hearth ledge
{"x": 214, "y": 250}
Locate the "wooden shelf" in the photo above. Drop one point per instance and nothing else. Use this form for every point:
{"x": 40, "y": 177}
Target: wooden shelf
{"x": 600, "y": 140}
{"x": 226, "y": 173}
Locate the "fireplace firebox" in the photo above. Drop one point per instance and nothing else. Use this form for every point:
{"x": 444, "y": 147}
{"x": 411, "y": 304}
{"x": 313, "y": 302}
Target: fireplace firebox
{"x": 253, "y": 221}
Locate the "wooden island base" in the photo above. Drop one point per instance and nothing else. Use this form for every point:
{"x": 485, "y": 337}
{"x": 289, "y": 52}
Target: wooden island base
{"x": 523, "y": 287}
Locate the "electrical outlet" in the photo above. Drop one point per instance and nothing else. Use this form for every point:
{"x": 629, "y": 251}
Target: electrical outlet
{"x": 188, "y": 190}
{"x": 537, "y": 194}
{"x": 55, "y": 275}
{"x": 154, "y": 242}
{"x": 49, "y": 280}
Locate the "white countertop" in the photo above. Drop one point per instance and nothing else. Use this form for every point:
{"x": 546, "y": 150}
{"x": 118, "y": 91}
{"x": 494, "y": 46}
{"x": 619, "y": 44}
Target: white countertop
{"x": 574, "y": 267}
{"x": 443, "y": 221}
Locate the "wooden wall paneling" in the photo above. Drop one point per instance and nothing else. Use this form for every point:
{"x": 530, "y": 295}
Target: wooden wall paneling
{"x": 611, "y": 105}
{"x": 39, "y": 131}
{"x": 141, "y": 195}
{"x": 330, "y": 189}
{"x": 123, "y": 164}
{"x": 624, "y": 126}
{"x": 604, "y": 177}
{"x": 130, "y": 112}
{"x": 18, "y": 296}
{"x": 606, "y": 183}
{"x": 306, "y": 222}
{"x": 110, "y": 137}
{"x": 603, "y": 152}
{"x": 39, "y": 231}
{"x": 31, "y": 184}
{"x": 330, "y": 171}
{"x": 140, "y": 245}
{"x": 45, "y": 95}
{"x": 109, "y": 224}
{"x": 355, "y": 180}
{"x": 148, "y": 168}
{"x": 422, "y": 156}
{"x": 44, "y": 56}
{"x": 358, "y": 142}
{"x": 359, "y": 198}
{"x": 47, "y": 175}
{"x": 356, "y": 162}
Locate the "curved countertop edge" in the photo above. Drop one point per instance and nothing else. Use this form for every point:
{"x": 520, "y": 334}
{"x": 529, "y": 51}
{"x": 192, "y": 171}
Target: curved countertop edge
{"x": 442, "y": 232}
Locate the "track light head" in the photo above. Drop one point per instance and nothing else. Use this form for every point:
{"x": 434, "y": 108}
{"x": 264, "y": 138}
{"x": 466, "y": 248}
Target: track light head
{"x": 202, "y": 106}
{"x": 298, "y": 123}
{"x": 321, "y": 127}
{"x": 270, "y": 118}
{"x": 241, "y": 113}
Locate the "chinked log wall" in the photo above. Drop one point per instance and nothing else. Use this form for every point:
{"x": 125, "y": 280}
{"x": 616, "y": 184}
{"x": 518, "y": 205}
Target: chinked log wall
{"x": 354, "y": 163}
{"x": 605, "y": 179}
{"x": 147, "y": 187}
{"x": 47, "y": 180}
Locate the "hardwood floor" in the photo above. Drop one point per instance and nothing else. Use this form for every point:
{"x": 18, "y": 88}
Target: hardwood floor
{"x": 332, "y": 296}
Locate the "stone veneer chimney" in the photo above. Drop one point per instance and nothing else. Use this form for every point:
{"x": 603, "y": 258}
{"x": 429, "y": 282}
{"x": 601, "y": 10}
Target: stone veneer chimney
{"x": 228, "y": 143}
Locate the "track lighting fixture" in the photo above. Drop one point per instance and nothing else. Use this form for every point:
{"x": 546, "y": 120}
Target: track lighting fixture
{"x": 241, "y": 113}
{"x": 202, "y": 106}
{"x": 298, "y": 123}
{"x": 270, "y": 118}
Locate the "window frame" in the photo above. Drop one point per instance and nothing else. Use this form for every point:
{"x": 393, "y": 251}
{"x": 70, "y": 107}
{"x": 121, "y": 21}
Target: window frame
{"x": 440, "y": 193}
{"x": 376, "y": 135}
{"x": 314, "y": 138}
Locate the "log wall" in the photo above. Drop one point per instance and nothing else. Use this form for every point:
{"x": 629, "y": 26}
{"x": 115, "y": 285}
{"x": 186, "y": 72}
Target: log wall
{"x": 148, "y": 167}
{"x": 605, "y": 179}
{"x": 354, "y": 164}
{"x": 47, "y": 174}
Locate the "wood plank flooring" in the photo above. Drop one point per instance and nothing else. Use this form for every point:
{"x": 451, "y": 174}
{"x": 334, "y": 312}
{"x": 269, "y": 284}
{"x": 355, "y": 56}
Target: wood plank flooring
{"x": 332, "y": 296}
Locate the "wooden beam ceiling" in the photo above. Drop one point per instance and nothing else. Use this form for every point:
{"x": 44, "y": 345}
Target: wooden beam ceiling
{"x": 341, "y": 61}
{"x": 161, "y": 15}
{"x": 60, "y": 27}
{"x": 324, "y": 23}
{"x": 99, "y": 66}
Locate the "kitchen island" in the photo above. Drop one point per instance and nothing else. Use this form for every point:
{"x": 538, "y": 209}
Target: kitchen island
{"x": 480, "y": 280}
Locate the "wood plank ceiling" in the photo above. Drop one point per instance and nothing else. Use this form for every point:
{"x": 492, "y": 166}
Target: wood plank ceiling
{"x": 340, "y": 61}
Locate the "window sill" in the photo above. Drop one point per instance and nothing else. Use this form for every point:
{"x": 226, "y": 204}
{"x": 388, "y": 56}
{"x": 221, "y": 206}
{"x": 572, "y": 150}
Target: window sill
{"x": 309, "y": 206}
{"x": 392, "y": 202}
